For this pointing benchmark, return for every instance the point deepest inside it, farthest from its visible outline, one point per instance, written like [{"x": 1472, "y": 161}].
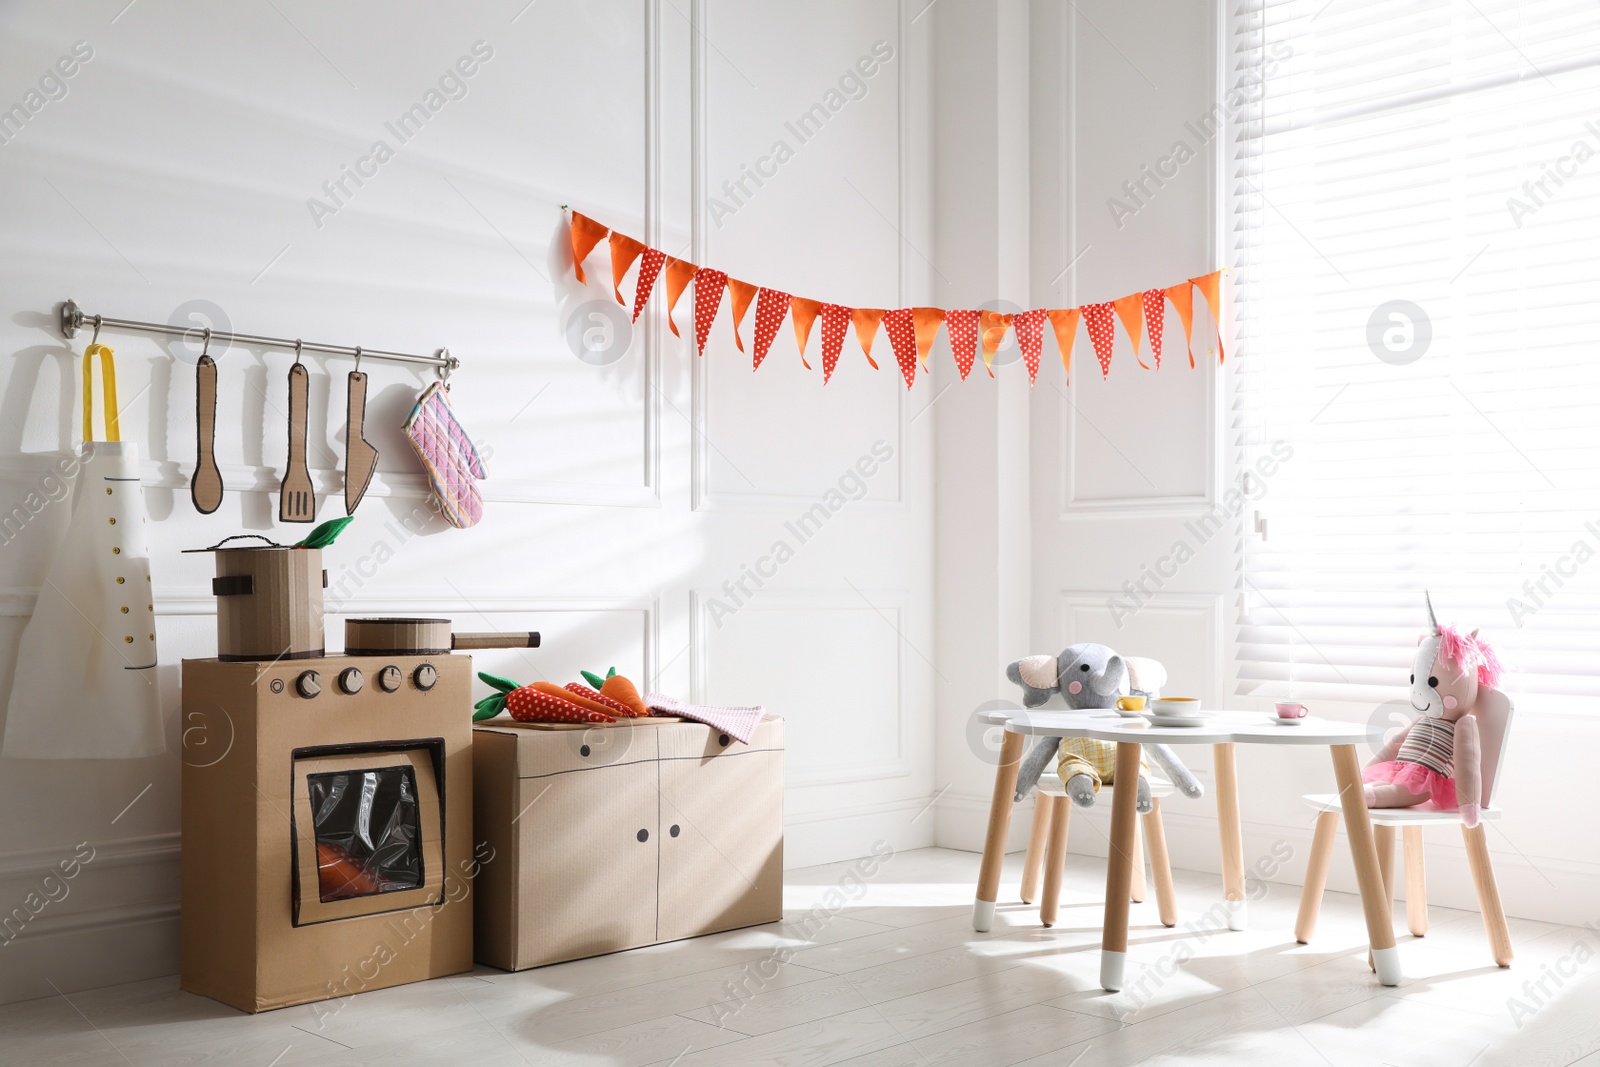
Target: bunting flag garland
[
  {"x": 1155, "y": 320},
  {"x": 679, "y": 273},
  {"x": 1029, "y": 328},
  {"x": 624, "y": 250},
  {"x": 962, "y": 326},
  {"x": 992, "y": 325},
  {"x": 804, "y": 312},
  {"x": 741, "y": 293},
  {"x": 912, "y": 331},
  {"x": 1065, "y": 321},
  {"x": 835, "y": 320},
  {"x": 649, "y": 268},
  {"x": 901, "y": 327},
  {"x": 1182, "y": 297},
  {"x": 1098, "y": 318},
  {"x": 708, "y": 287},
  {"x": 928, "y": 321},
  {"x": 586, "y": 233},
  {"x": 866, "y": 323},
  {"x": 1130, "y": 309},
  {"x": 1210, "y": 287},
  {"x": 771, "y": 307}
]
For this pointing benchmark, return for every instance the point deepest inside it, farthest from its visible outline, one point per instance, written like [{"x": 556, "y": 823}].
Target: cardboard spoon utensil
[
  {"x": 205, "y": 488},
  {"x": 360, "y": 458}
]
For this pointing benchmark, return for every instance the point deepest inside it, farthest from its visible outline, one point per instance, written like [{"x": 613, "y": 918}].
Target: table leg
[
  {"x": 1383, "y": 838},
  {"x": 1231, "y": 835},
  {"x": 1160, "y": 867},
  {"x": 1136, "y": 894},
  {"x": 1119, "y": 871},
  {"x": 1364, "y": 852},
  {"x": 994, "y": 843},
  {"x": 1056, "y": 865},
  {"x": 1034, "y": 863}
]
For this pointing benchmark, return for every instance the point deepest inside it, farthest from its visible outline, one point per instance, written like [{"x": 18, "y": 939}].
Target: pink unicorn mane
[{"x": 1471, "y": 651}]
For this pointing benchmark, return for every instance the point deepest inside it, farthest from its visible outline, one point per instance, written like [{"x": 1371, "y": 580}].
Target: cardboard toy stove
[{"x": 327, "y": 800}]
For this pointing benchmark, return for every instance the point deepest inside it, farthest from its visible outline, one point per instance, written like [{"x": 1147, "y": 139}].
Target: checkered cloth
[
  {"x": 737, "y": 721},
  {"x": 1098, "y": 759}
]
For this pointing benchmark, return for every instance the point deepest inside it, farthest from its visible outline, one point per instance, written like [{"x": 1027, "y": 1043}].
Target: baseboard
[
  {"x": 86, "y": 950},
  {"x": 836, "y": 834},
  {"x": 963, "y": 823}
]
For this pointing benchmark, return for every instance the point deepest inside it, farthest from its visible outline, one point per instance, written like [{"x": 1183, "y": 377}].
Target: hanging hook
[
  {"x": 443, "y": 369},
  {"x": 96, "y": 338},
  {"x": 205, "y": 345},
  {"x": 297, "y": 351},
  {"x": 358, "y": 359}
]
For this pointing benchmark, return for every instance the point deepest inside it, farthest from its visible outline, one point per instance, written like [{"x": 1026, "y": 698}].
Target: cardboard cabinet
[{"x": 611, "y": 838}]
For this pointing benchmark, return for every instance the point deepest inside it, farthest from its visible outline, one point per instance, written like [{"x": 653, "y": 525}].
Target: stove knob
[
  {"x": 425, "y": 676},
  {"x": 389, "y": 679},
  {"x": 350, "y": 680},
  {"x": 309, "y": 684}
]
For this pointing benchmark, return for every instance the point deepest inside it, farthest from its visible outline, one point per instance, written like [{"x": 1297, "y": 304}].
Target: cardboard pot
[{"x": 269, "y": 601}]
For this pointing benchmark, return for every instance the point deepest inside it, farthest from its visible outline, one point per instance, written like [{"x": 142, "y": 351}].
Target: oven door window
[{"x": 367, "y": 833}]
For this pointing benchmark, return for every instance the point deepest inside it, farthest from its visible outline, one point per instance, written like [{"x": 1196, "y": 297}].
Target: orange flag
[
  {"x": 900, "y": 325},
  {"x": 866, "y": 322},
  {"x": 1210, "y": 286},
  {"x": 624, "y": 250},
  {"x": 1029, "y": 328},
  {"x": 771, "y": 307},
  {"x": 1130, "y": 309},
  {"x": 804, "y": 312},
  {"x": 742, "y": 293},
  {"x": 1182, "y": 297},
  {"x": 679, "y": 274},
  {"x": 708, "y": 287},
  {"x": 927, "y": 321},
  {"x": 1065, "y": 322},
  {"x": 992, "y": 325},
  {"x": 835, "y": 319},
  {"x": 586, "y": 233},
  {"x": 962, "y": 326}
]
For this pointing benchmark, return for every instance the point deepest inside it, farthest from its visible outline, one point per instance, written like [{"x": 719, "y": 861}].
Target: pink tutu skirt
[{"x": 1417, "y": 778}]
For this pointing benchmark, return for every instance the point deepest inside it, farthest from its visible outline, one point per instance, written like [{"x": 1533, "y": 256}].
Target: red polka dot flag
[
  {"x": 1099, "y": 317},
  {"x": 771, "y": 307},
  {"x": 835, "y": 321},
  {"x": 708, "y": 287},
  {"x": 912, "y": 331},
  {"x": 649, "y": 269},
  {"x": 962, "y": 326},
  {"x": 1155, "y": 317},
  {"x": 1029, "y": 327},
  {"x": 901, "y": 326}
]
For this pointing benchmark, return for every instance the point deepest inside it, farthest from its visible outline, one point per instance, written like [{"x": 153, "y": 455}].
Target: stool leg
[
  {"x": 994, "y": 843},
  {"x": 1055, "y": 864},
  {"x": 1160, "y": 868},
  {"x": 1416, "y": 883},
  {"x": 1383, "y": 837},
  {"x": 1316, "y": 876},
  {"x": 1137, "y": 893},
  {"x": 1494, "y": 916},
  {"x": 1036, "y": 846}
]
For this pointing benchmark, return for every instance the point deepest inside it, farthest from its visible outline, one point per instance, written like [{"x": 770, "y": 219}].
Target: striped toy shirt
[{"x": 1431, "y": 744}]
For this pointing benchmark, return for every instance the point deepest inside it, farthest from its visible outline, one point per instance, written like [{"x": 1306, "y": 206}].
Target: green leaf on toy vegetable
[
  {"x": 505, "y": 685},
  {"x": 595, "y": 680},
  {"x": 488, "y": 707},
  {"x": 325, "y": 533}
]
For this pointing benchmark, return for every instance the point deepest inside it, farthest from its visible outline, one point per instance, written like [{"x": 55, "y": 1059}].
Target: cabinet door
[
  {"x": 587, "y": 850},
  {"x": 721, "y": 841}
]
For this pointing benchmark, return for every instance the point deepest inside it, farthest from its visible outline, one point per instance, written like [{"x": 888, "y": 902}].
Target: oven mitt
[{"x": 446, "y": 452}]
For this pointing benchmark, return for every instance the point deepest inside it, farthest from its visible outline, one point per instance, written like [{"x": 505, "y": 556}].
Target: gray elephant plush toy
[{"x": 1091, "y": 677}]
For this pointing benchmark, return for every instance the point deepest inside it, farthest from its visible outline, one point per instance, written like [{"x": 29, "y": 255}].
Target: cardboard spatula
[
  {"x": 360, "y": 458},
  {"x": 297, "y": 498}
]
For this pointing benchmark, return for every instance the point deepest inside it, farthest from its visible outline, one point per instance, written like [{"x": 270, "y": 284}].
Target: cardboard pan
[{"x": 423, "y": 637}]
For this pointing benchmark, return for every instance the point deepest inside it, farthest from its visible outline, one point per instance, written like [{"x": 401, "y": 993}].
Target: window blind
[{"x": 1413, "y": 222}]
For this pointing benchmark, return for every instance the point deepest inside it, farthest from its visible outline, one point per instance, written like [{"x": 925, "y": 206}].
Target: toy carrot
[
  {"x": 554, "y": 690},
  {"x": 529, "y": 704},
  {"x": 619, "y": 689},
  {"x": 616, "y": 707}
]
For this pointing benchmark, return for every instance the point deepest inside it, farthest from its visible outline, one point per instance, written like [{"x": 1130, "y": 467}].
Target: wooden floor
[{"x": 897, "y": 978}]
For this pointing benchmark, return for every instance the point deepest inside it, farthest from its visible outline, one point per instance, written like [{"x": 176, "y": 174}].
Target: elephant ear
[{"x": 1037, "y": 671}]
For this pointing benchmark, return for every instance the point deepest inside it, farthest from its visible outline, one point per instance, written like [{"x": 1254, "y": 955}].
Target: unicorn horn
[{"x": 1432, "y": 619}]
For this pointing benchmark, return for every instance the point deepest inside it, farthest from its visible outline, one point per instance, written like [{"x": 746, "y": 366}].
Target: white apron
[{"x": 85, "y": 684}]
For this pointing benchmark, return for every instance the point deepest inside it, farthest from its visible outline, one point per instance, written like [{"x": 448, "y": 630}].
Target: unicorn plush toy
[{"x": 1437, "y": 757}]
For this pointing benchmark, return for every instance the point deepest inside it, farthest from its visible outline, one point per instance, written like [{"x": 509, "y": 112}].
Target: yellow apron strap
[{"x": 108, "y": 375}]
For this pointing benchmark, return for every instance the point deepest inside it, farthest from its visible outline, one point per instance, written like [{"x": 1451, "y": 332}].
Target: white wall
[{"x": 178, "y": 168}]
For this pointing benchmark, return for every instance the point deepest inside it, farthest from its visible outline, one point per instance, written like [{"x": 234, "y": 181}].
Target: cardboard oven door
[{"x": 368, "y": 832}]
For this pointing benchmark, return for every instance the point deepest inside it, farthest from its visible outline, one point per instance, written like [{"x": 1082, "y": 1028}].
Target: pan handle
[{"x": 524, "y": 639}]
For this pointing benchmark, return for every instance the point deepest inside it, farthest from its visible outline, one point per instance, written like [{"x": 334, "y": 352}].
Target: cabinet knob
[
  {"x": 309, "y": 684},
  {"x": 644, "y": 835},
  {"x": 723, "y": 740},
  {"x": 674, "y": 830},
  {"x": 584, "y": 751}
]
